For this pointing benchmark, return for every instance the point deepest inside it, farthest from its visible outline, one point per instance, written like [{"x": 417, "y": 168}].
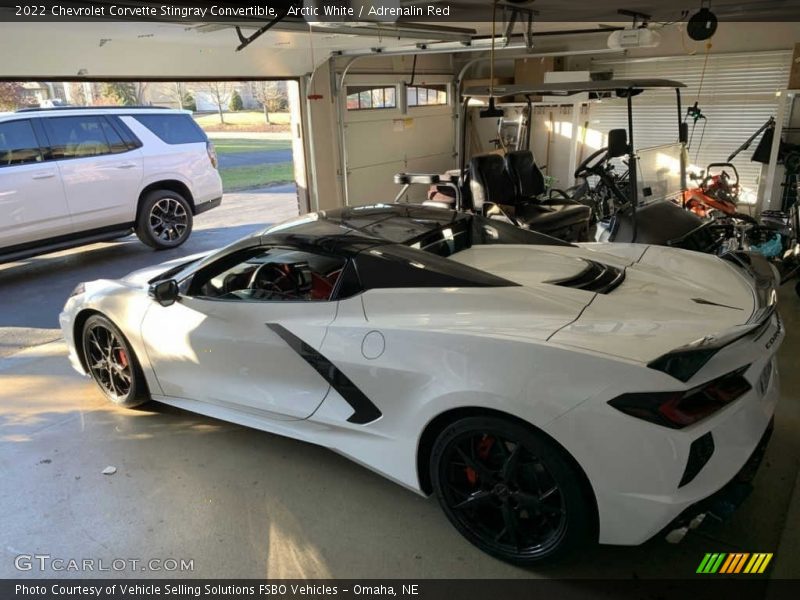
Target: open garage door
[
  {"x": 254, "y": 125},
  {"x": 391, "y": 127}
]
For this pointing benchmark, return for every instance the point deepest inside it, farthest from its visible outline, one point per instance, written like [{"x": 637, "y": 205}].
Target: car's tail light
[
  {"x": 212, "y": 154},
  {"x": 681, "y": 409}
]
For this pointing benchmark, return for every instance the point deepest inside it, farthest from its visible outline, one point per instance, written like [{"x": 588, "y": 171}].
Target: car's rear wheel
[
  {"x": 112, "y": 363},
  {"x": 165, "y": 220},
  {"x": 510, "y": 491}
]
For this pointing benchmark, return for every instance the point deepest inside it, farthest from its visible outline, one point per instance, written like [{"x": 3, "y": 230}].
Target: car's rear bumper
[
  {"x": 208, "y": 205},
  {"x": 637, "y": 470},
  {"x": 722, "y": 504}
]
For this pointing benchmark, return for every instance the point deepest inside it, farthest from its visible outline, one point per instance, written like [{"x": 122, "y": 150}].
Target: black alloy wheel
[
  {"x": 112, "y": 364},
  {"x": 509, "y": 491}
]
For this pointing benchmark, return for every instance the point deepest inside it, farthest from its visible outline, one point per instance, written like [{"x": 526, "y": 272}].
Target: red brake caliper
[
  {"x": 484, "y": 447},
  {"x": 122, "y": 357}
]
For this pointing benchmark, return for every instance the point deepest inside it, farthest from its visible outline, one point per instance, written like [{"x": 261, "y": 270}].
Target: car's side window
[
  {"x": 18, "y": 144},
  {"x": 269, "y": 274},
  {"x": 130, "y": 139},
  {"x": 115, "y": 141},
  {"x": 77, "y": 137}
]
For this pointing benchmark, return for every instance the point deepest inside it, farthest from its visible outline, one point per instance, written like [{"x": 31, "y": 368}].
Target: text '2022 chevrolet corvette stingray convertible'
[{"x": 549, "y": 394}]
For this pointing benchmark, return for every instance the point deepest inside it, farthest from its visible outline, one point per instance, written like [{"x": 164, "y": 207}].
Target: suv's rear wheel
[{"x": 165, "y": 220}]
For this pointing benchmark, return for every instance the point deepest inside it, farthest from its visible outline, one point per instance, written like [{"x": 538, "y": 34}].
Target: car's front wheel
[
  {"x": 112, "y": 363},
  {"x": 510, "y": 491},
  {"x": 165, "y": 220}
]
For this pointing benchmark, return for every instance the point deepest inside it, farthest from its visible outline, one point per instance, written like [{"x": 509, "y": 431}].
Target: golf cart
[{"x": 512, "y": 186}]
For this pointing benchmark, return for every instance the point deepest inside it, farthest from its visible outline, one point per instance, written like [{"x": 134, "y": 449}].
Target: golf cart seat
[
  {"x": 491, "y": 184},
  {"x": 529, "y": 181}
]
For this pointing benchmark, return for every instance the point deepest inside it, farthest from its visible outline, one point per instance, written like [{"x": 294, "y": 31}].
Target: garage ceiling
[{"x": 207, "y": 50}]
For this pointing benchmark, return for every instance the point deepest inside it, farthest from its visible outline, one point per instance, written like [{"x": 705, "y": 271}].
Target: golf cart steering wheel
[
  {"x": 590, "y": 163},
  {"x": 270, "y": 279}
]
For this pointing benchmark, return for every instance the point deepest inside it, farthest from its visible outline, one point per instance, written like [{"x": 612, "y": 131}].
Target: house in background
[{"x": 45, "y": 93}]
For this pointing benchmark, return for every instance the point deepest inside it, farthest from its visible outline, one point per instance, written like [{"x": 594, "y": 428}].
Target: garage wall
[{"x": 737, "y": 97}]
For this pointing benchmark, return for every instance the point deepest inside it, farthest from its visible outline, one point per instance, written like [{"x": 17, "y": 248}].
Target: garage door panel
[
  {"x": 399, "y": 138},
  {"x": 373, "y": 184}
]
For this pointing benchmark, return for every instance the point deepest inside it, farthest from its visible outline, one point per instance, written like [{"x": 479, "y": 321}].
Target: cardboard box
[
  {"x": 499, "y": 82},
  {"x": 532, "y": 70}
]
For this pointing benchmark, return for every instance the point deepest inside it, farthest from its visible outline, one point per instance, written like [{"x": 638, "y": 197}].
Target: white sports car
[{"x": 549, "y": 394}]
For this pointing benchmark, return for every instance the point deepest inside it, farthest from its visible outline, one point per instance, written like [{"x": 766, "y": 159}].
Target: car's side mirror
[
  {"x": 164, "y": 292},
  {"x": 617, "y": 143}
]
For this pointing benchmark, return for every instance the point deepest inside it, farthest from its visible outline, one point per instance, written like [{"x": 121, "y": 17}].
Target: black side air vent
[
  {"x": 700, "y": 453},
  {"x": 596, "y": 277}
]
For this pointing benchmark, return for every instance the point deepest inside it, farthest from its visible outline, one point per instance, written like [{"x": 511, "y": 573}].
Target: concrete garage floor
[{"x": 243, "y": 503}]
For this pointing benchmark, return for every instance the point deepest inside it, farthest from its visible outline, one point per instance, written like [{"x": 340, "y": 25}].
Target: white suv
[{"x": 76, "y": 176}]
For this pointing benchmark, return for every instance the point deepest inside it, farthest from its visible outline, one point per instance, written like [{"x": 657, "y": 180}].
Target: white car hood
[{"x": 669, "y": 297}]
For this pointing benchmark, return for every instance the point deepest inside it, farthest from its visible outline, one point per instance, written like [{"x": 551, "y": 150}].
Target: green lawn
[
  {"x": 235, "y": 145},
  {"x": 252, "y": 176},
  {"x": 242, "y": 178},
  {"x": 245, "y": 120}
]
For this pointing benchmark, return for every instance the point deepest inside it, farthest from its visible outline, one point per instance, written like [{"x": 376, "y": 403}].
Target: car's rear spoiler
[{"x": 684, "y": 362}]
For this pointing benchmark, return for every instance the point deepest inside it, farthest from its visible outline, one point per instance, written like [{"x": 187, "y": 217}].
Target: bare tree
[
  {"x": 10, "y": 95},
  {"x": 220, "y": 92},
  {"x": 179, "y": 93},
  {"x": 140, "y": 90},
  {"x": 271, "y": 95}
]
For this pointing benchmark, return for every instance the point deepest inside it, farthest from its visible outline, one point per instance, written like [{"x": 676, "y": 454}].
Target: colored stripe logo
[{"x": 734, "y": 563}]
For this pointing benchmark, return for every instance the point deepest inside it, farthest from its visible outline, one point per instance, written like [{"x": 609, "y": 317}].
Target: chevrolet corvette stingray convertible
[{"x": 548, "y": 394}]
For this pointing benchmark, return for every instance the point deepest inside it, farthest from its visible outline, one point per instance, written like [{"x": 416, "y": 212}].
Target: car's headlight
[{"x": 79, "y": 289}]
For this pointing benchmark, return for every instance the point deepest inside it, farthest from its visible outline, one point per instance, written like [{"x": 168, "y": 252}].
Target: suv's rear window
[
  {"x": 173, "y": 129},
  {"x": 18, "y": 144}
]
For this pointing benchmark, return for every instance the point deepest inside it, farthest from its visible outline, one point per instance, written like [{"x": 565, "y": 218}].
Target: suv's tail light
[
  {"x": 680, "y": 409},
  {"x": 212, "y": 154}
]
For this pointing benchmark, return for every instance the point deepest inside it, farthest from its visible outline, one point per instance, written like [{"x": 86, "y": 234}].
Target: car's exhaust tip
[{"x": 675, "y": 536}]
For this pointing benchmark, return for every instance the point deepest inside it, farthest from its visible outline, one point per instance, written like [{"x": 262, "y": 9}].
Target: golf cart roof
[{"x": 621, "y": 86}]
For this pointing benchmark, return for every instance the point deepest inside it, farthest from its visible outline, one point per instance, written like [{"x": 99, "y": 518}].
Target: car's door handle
[
  {"x": 43, "y": 176},
  {"x": 126, "y": 166}
]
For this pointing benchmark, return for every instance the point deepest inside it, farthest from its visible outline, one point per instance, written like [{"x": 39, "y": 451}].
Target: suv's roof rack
[{"x": 40, "y": 109}]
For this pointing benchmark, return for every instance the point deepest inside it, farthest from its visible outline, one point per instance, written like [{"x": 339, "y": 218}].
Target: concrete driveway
[
  {"x": 242, "y": 503},
  {"x": 33, "y": 291}
]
